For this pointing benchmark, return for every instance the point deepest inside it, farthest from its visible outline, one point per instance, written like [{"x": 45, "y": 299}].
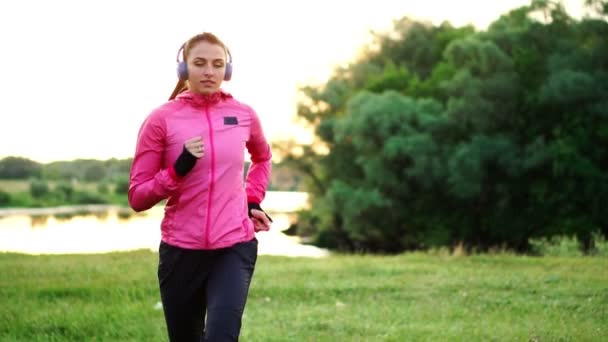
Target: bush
[
  {"x": 5, "y": 198},
  {"x": 122, "y": 186},
  {"x": 600, "y": 245},
  {"x": 39, "y": 188},
  {"x": 561, "y": 245},
  {"x": 21, "y": 199},
  {"x": 103, "y": 188},
  {"x": 83, "y": 197},
  {"x": 65, "y": 190}
]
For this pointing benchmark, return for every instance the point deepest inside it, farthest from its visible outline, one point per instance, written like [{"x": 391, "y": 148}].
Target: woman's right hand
[{"x": 195, "y": 146}]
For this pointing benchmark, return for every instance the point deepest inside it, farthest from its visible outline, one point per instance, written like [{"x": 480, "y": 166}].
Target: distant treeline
[
  {"x": 113, "y": 170},
  {"x": 84, "y": 170},
  {"x": 87, "y": 181}
]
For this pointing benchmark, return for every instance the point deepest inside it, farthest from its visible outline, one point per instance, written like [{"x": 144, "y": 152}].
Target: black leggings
[{"x": 211, "y": 284}]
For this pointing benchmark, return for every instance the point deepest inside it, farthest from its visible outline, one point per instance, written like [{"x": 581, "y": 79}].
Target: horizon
[{"x": 101, "y": 71}]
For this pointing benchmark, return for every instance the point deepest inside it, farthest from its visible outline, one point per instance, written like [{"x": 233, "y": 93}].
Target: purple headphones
[{"x": 182, "y": 66}]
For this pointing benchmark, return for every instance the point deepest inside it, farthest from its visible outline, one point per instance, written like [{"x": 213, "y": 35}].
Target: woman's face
[{"x": 206, "y": 67}]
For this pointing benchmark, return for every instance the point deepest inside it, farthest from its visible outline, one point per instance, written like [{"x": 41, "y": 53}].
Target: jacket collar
[{"x": 202, "y": 100}]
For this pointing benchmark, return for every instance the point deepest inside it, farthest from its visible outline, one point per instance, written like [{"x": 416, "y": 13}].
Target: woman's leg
[
  {"x": 227, "y": 289},
  {"x": 182, "y": 276}
]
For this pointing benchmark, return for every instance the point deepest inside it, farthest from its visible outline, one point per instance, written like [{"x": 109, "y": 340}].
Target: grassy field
[
  {"x": 411, "y": 297},
  {"x": 14, "y": 186}
]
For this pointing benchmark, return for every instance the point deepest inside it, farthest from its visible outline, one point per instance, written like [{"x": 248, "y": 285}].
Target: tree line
[
  {"x": 90, "y": 181},
  {"x": 85, "y": 170},
  {"x": 437, "y": 135}
]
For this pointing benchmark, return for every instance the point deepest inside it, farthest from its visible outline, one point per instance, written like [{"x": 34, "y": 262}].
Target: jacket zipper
[{"x": 212, "y": 165}]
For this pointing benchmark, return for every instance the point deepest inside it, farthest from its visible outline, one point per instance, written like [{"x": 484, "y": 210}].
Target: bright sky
[{"x": 77, "y": 78}]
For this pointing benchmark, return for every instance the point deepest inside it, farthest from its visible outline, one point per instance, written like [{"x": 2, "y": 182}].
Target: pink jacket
[{"x": 207, "y": 209}]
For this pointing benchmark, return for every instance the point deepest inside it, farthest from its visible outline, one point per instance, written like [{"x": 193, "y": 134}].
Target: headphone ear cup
[
  {"x": 182, "y": 71},
  {"x": 228, "y": 73}
]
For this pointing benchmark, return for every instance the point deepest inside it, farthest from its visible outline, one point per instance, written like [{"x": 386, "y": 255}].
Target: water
[{"x": 101, "y": 229}]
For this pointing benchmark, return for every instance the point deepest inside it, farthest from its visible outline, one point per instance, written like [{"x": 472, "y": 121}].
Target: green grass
[{"x": 410, "y": 297}]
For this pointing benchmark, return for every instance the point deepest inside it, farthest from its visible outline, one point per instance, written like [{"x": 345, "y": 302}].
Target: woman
[{"x": 190, "y": 151}]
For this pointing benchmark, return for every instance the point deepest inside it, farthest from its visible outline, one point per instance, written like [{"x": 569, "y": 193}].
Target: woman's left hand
[{"x": 260, "y": 220}]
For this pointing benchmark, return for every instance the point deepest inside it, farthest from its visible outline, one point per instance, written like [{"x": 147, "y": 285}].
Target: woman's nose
[{"x": 208, "y": 70}]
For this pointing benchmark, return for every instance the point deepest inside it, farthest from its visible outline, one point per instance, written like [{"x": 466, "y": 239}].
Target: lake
[{"x": 102, "y": 228}]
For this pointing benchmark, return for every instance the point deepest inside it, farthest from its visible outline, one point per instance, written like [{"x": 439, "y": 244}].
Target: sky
[{"x": 77, "y": 78}]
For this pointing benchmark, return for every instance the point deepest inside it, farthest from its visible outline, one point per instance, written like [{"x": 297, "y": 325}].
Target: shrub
[
  {"x": 5, "y": 198},
  {"x": 600, "y": 245},
  {"x": 560, "y": 245},
  {"x": 122, "y": 186},
  {"x": 39, "y": 188}
]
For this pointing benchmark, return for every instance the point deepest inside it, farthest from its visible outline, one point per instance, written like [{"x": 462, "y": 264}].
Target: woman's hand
[
  {"x": 261, "y": 222},
  {"x": 195, "y": 146},
  {"x": 193, "y": 149}
]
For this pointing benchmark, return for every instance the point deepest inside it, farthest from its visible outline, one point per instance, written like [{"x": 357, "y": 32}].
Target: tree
[
  {"x": 95, "y": 172},
  {"x": 19, "y": 168},
  {"x": 440, "y": 135}
]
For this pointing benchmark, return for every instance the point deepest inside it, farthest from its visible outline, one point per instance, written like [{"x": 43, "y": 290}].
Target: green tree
[
  {"x": 19, "y": 168},
  {"x": 440, "y": 135}
]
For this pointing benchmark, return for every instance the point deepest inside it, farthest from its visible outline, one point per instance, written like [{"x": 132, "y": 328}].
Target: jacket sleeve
[
  {"x": 258, "y": 175},
  {"x": 148, "y": 184}
]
